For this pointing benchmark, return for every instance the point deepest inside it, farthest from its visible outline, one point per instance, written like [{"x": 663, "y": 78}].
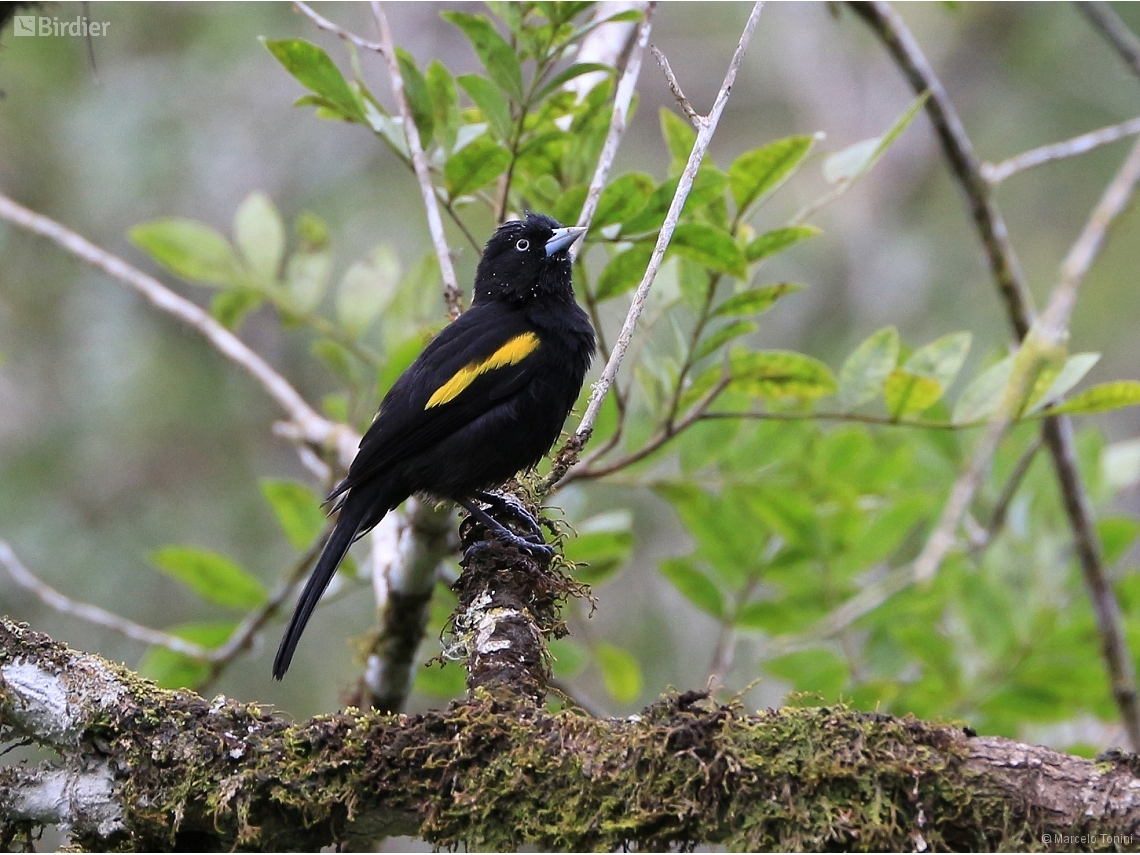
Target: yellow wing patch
[{"x": 512, "y": 353}]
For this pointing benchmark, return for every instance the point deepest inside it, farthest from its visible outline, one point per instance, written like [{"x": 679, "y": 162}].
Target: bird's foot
[
  {"x": 532, "y": 544},
  {"x": 513, "y": 508},
  {"x": 525, "y": 545}
]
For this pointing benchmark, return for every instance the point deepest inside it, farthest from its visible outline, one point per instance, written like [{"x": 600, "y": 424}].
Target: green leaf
[
  {"x": 780, "y": 374},
  {"x": 984, "y": 394},
  {"x": 679, "y": 136},
  {"x": 313, "y": 69},
  {"x": 297, "y": 508},
  {"x": 566, "y": 75},
  {"x": 230, "y": 307},
  {"x": 441, "y": 681},
  {"x": 491, "y": 103},
  {"x": 189, "y": 249},
  {"x": 444, "y": 104},
  {"x": 260, "y": 236},
  {"x": 570, "y": 657},
  {"x": 856, "y": 160},
  {"x": 368, "y": 286},
  {"x": 493, "y": 51},
  {"x": 339, "y": 361},
  {"x": 755, "y": 300},
  {"x": 863, "y": 373},
  {"x": 307, "y": 277},
  {"x": 1060, "y": 382},
  {"x": 942, "y": 359},
  {"x": 621, "y": 672},
  {"x": 624, "y": 271},
  {"x": 623, "y": 198},
  {"x": 716, "y": 340},
  {"x": 818, "y": 671},
  {"x": 708, "y": 185},
  {"x": 693, "y": 585},
  {"x": 710, "y": 247},
  {"x": 910, "y": 394},
  {"x": 757, "y": 173},
  {"x": 418, "y": 95},
  {"x": 1117, "y": 534},
  {"x": 1101, "y": 399},
  {"x": 777, "y": 240},
  {"x": 211, "y": 576},
  {"x": 475, "y": 166},
  {"x": 172, "y": 670},
  {"x": 604, "y": 543}
]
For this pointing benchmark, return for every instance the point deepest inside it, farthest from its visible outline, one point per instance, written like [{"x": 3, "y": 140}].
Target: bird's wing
[{"x": 474, "y": 364}]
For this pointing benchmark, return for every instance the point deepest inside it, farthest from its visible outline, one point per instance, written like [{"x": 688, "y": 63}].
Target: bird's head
[{"x": 526, "y": 259}]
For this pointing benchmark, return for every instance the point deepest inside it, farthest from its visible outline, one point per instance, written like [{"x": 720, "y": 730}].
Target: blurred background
[{"x": 122, "y": 431}]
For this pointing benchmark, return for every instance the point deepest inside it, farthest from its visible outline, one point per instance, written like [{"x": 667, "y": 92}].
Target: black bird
[{"x": 486, "y": 399}]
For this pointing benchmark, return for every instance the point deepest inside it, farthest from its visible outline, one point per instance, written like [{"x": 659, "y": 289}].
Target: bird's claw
[{"x": 528, "y": 545}]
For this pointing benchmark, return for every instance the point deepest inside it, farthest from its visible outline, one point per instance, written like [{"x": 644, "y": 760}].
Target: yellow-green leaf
[
  {"x": 1101, "y": 398},
  {"x": 910, "y": 394}
]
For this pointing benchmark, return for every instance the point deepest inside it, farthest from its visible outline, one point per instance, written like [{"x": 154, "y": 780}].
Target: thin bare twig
[
  {"x": 675, "y": 86},
  {"x": 619, "y": 118},
  {"x": 891, "y": 30},
  {"x": 1115, "y": 31},
  {"x": 63, "y": 604},
  {"x": 1001, "y": 508},
  {"x": 1054, "y": 321},
  {"x": 451, "y": 294},
  {"x": 997, "y": 173},
  {"x": 385, "y": 47},
  {"x": 329, "y": 27},
  {"x": 568, "y": 455},
  {"x": 307, "y": 424}
]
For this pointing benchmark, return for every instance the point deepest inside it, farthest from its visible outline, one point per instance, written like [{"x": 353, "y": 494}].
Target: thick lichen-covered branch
[{"x": 172, "y": 770}]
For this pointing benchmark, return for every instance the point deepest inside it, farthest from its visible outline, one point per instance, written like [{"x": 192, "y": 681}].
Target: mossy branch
[{"x": 148, "y": 769}]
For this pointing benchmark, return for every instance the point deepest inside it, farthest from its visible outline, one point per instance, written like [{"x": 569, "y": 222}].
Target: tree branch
[
  {"x": 1115, "y": 32},
  {"x": 451, "y": 293},
  {"x": 305, "y": 424},
  {"x": 619, "y": 118},
  {"x": 684, "y": 772},
  {"x": 997, "y": 173}
]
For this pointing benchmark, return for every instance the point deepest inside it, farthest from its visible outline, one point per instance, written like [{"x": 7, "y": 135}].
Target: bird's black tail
[{"x": 347, "y": 529}]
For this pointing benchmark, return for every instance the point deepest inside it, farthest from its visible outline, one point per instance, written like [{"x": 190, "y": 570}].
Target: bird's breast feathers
[{"x": 513, "y": 351}]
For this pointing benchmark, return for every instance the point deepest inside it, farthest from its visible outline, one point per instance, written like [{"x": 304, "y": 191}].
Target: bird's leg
[
  {"x": 511, "y": 506},
  {"x": 503, "y": 534}
]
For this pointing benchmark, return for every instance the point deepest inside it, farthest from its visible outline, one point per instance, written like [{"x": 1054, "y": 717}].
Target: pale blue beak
[{"x": 562, "y": 239}]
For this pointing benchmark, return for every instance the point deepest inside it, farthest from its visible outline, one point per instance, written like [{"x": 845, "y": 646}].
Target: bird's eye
[{"x": 523, "y": 245}]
